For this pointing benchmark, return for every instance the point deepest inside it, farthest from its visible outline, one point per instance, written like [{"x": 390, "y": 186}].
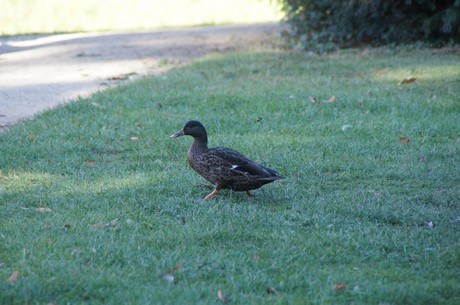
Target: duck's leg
[{"x": 212, "y": 194}]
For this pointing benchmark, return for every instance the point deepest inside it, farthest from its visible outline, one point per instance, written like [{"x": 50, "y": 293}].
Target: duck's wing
[{"x": 235, "y": 161}]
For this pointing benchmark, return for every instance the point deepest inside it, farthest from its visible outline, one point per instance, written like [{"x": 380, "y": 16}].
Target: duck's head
[{"x": 192, "y": 128}]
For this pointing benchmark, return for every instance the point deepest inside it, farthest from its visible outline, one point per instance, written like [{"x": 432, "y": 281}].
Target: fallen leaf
[
  {"x": 175, "y": 268},
  {"x": 43, "y": 210},
  {"x": 67, "y": 226},
  {"x": 123, "y": 76},
  {"x": 404, "y": 140},
  {"x": 83, "y": 54},
  {"x": 13, "y": 276},
  {"x": 113, "y": 223},
  {"x": 32, "y": 137},
  {"x": 90, "y": 163},
  {"x": 148, "y": 58},
  {"x": 134, "y": 139},
  {"x": 271, "y": 290},
  {"x": 312, "y": 99},
  {"x": 407, "y": 80},
  {"x": 332, "y": 99},
  {"x": 221, "y": 296},
  {"x": 168, "y": 275},
  {"x": 339, "y": 286}
]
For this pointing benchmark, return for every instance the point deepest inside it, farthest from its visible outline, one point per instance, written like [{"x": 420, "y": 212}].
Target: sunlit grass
[
  {"x": 49, "y": 16},
  {"x": 91, "y": 216}
]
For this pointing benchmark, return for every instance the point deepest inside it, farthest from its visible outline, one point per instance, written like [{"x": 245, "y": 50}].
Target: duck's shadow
[{"x": 262, "y": 197}]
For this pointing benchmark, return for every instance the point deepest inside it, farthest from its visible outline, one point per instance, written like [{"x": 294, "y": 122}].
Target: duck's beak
[{"x": 177, "y": 134}]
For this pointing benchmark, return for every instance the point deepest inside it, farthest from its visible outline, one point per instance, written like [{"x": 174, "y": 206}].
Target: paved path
[{"x": 42, "y": 71}]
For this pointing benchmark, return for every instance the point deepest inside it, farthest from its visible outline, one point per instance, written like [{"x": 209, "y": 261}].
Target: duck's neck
[{"x": 200, "y": 144}]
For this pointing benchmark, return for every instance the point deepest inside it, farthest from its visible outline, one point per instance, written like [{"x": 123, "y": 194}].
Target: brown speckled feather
[{"x": 227, "y": 168}]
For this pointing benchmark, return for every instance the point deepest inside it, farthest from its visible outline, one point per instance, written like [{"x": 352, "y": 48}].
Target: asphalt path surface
[{"x": 39, "y": 72}]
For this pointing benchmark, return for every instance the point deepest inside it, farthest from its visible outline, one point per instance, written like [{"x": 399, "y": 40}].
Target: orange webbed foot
[{"x": 212, "y": 194}]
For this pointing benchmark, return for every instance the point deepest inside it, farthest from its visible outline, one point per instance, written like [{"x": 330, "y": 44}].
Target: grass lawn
[
  {"x": 50, "y": 16},
  {"x": 99, "y": 206}
]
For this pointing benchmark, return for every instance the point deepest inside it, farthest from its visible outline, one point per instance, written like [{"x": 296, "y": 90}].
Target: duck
[{"x": 224, "y": 167}]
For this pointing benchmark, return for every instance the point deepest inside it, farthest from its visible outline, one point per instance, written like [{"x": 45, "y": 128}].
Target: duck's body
[{"x": 224, "y": 167}]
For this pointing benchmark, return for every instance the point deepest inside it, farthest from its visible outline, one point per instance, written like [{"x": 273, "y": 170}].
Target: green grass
[
  {"x": 354, "y": 208},
  {"x": 50, "y": 16}
]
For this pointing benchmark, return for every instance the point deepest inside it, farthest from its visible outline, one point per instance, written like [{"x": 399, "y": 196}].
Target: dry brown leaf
[
  {"x": 148, "y": 58},
  {"x": 125, "y": 76},
  {"x": 113, "y": 223},
  {"x": 271, "y": 290},
  {"x": 90, "y": 163},
  {"x": 13, "y": 276},
  {"x": 168, "y": 275},
  {"x": 407, "y": 80},
  {"x": 221, "y": 296},
  {"x": 404, "y": 140},
  {"x": 332, "y": 99},
  {"x": 312, "y": 99},
  {"x": 339, "y": 286},
  {"x": 175, "y": 268}
]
